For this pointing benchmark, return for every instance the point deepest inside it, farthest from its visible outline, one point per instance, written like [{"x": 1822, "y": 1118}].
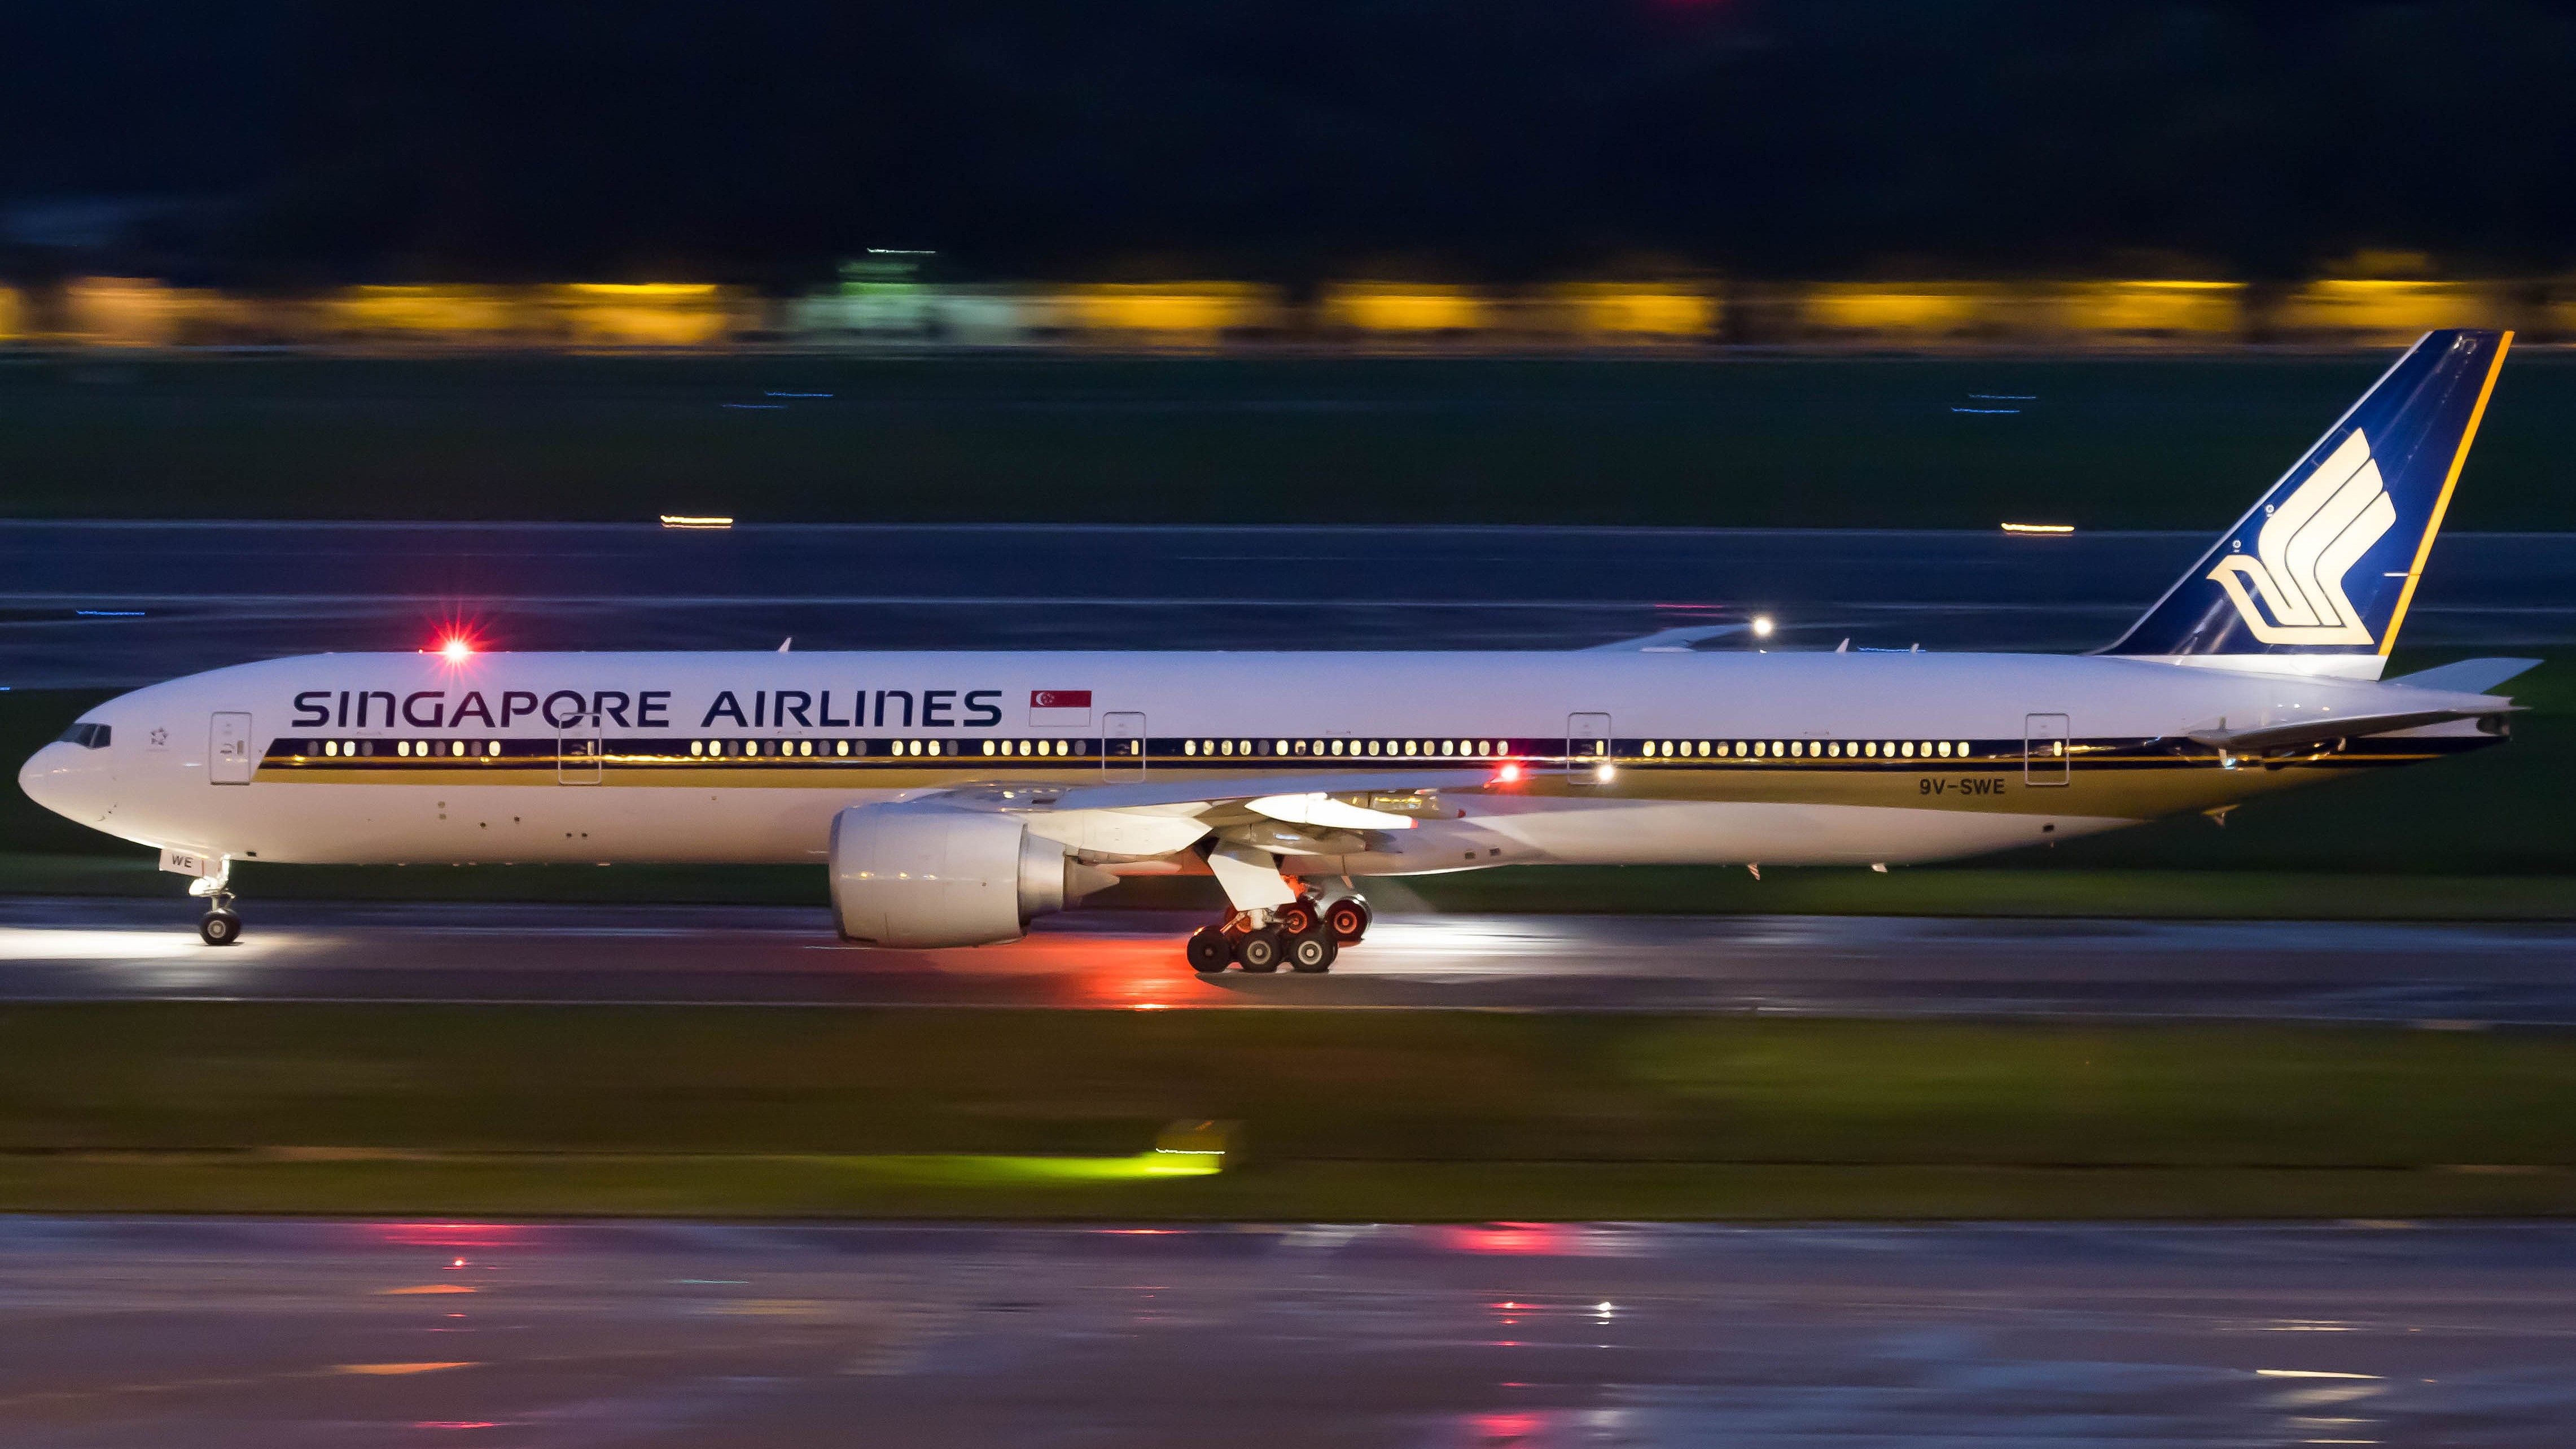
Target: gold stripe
[{"x": 2442, "y": 505}]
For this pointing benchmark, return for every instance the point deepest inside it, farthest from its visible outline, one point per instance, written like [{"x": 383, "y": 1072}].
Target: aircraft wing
[{"x": 1255, "y": 818}]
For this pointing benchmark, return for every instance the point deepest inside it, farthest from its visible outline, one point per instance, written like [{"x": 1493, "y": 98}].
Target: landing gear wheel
[
  {"x": 1295, "y": 918},
  {"x": 220, "y": 928},
  {"x": 1258, "y": 951},
  {"x": 1349, "y": 919},
  {"x": 1312, "y": 951},
  {"x": 1209, "y": 951}
]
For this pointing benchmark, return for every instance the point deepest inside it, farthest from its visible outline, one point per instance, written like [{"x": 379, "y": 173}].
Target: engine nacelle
[{"x": 930, "y": 875}]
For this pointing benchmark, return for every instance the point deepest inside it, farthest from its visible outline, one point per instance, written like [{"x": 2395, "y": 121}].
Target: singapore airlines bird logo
[{"x": 2305, "y": 549}]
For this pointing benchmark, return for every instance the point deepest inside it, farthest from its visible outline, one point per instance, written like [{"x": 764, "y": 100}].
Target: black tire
[
  {"x": 220, "y": 928},
  {"x": 1312, "y": 952},
  {"x": 1349, "y": 919},
  {"x": 1209, "y": 951},
  {"x": 1258, "y": 951},
  {"x": 1295, "y": 918}
]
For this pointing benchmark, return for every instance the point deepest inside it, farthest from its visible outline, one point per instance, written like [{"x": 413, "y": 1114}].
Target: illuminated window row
[
  {"x": 782, "y": 749},
  {"x": 1025, "y": 749},
  {"x": 839, "y": 749},
  {"x": 1413, "y": 749},
  {"x": 1806, "y": 749},
  {"x": 405, "y": 749}
]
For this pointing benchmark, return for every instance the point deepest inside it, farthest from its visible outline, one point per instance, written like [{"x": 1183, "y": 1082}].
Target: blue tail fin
[{"x": 2318, "y": 576}]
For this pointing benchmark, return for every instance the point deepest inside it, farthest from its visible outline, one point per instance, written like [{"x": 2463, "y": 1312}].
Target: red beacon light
[
  {"x": 456, "y": 649},
  {"x": 1508, "y": 773}
]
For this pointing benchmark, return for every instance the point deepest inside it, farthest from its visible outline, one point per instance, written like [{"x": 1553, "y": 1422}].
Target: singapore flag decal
[
  {"x": 1059, "y": 707},
  {"x": 2306, "y": 548}
]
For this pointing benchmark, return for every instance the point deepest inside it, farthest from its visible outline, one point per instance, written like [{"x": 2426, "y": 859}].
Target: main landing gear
[{"x": 1305, "y": 934}]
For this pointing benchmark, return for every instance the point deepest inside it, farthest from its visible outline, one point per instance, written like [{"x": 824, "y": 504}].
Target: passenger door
[
  {"x": 1122, "y": 746},
  {"x": 2045, "y": 744},
  {"x": 229, "y": 760},
  {"x": 1587, "y": 749}
]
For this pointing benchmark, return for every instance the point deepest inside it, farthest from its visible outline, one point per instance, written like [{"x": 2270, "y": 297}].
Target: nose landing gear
[{"x": 220, "y": 926}]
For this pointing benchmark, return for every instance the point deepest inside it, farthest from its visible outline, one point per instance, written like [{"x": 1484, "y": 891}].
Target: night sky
[{"x": 1467, "y": 139}]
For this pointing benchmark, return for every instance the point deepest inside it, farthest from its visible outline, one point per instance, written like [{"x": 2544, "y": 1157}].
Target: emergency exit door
[{"x": 229, "y": 760}]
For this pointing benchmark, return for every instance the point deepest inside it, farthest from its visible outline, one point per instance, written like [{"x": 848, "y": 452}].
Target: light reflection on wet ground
[
  {"x": 214, "y": 593},
  {"x": 223, "y": 1332},
  {"x": 1842, "y": 965}
]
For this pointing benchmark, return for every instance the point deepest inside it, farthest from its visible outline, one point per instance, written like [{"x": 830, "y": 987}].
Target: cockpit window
[{"x": 87, "y": 735}]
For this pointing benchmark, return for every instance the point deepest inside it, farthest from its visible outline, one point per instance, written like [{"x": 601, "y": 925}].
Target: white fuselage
[{"x": 1613, "y": 757}]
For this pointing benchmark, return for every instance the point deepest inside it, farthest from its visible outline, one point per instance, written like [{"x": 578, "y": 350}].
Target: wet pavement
[
  {"x": 110, "y": 949},
  {"x": 217, "y": 1332}
]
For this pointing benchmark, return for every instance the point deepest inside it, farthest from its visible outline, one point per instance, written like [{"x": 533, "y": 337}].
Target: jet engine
[{"x": 924, "y": 875}]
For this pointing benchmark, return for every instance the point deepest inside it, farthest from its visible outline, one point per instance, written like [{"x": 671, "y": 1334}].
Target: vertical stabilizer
[{"x": 2318, "y": 577}]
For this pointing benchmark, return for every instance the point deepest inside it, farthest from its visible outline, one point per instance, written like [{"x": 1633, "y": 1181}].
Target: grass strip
[{"x": 1431, "y": 1115}]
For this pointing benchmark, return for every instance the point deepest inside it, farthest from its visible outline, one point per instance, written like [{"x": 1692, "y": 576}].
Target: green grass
[
  {"x": 1730, "y": 440},
  {"x": 1428, "y": 1115}
]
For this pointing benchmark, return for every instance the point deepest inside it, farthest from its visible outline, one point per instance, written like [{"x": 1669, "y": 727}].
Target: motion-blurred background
[{"x": 1353, "y": 172}]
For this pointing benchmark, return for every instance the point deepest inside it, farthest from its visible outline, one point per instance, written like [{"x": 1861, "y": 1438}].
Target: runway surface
[
  {"x": 112, "y": 605},
  {"x": 93, "y": 949},
  {"x": 216, "y": 1333}
]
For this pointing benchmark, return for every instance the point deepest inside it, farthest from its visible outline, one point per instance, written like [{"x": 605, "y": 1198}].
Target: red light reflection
[
  {"x": 1531, "y": 1239},
  {"x": 449, "y": 1235}
]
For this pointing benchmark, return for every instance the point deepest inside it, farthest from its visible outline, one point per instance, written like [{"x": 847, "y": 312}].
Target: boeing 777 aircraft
[{"x": 956, "y": 796}]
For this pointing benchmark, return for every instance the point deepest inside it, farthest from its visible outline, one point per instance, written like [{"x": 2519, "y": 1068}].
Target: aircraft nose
[{"x": 48, "y": 779}]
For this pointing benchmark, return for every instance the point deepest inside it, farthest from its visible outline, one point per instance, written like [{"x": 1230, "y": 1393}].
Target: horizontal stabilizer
[
  {"x": 1667, "y": 641},
  {"x": 2468, "y": 676},
  {"x": 2321, "y": 731}
]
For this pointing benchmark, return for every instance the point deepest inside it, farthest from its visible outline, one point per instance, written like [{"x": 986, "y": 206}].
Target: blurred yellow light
[
  {"x": 2391, "y": 308},
  {"x": 2153, "y": 307},
  {"x": 1169, "y": 310},
  {"x": 12, "y": 314},
  {"x": 2039, "y": 528},
  {"x": 429, "y": 309},
  {"x": 643, "y": 314},
  {"x": 697, "y": 520},
  {"x": 1403, "y": 307},
  {"x": 1915, "y": 307},
  {"x": 643, "y": 290},
  {"x": 127, "y": 311},
  {"x": 1624, "y": 312}
]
